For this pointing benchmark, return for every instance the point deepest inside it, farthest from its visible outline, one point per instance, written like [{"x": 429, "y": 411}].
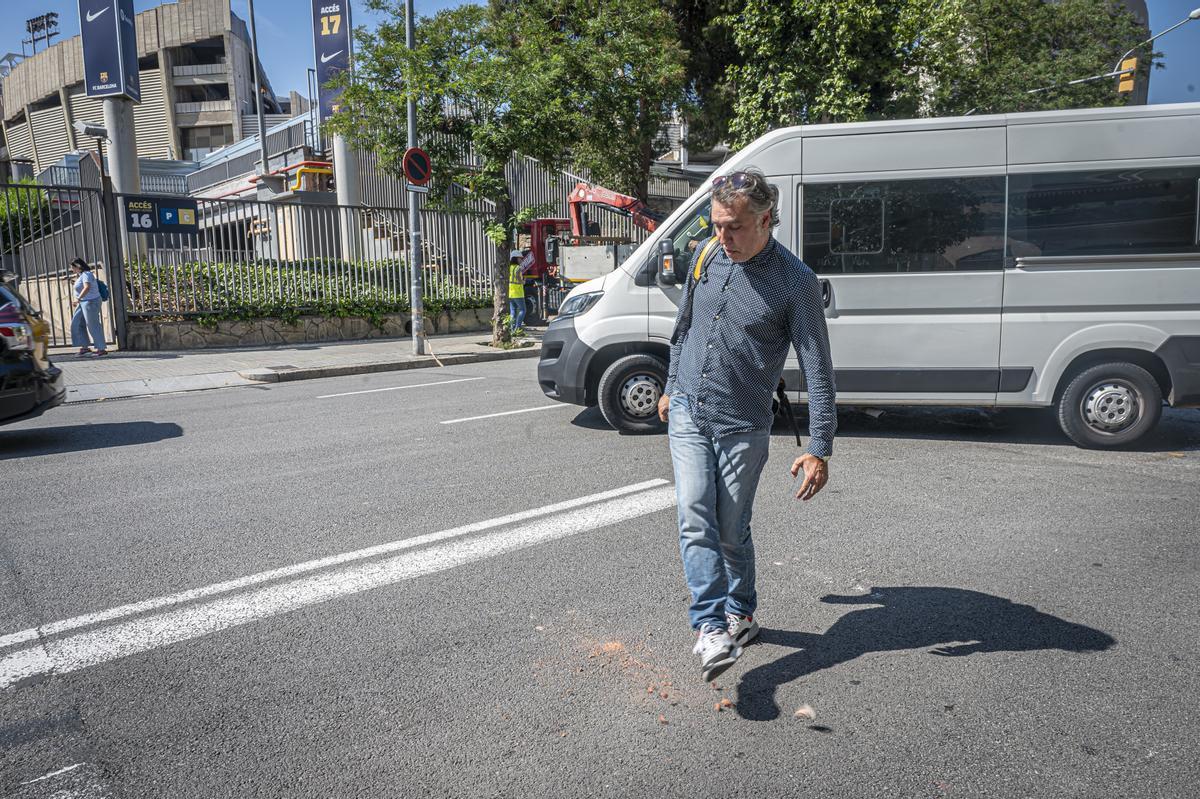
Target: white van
[{"x": 1047, "y": 259}]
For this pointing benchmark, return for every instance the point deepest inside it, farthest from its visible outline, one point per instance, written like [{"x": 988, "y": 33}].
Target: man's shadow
[{"x": 953, "y": 621}]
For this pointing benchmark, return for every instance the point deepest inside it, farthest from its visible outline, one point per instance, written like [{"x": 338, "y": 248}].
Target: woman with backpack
[{"x": 86, "y": 327}]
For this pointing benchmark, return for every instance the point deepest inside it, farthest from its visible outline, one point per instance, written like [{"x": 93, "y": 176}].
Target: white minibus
[{"x": 1046, "y": 259}]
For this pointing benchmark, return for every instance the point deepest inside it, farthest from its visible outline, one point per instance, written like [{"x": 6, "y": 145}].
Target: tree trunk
[
  {"x": 501, "y": 334},
  {"x": 645, "y": 159}
]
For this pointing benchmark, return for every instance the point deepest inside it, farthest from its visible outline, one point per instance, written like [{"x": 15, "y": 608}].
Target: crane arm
[{"x": 643, "y": 215}]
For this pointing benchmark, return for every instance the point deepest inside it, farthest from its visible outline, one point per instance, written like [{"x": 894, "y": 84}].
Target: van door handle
[{"x": 826, "y": 293}]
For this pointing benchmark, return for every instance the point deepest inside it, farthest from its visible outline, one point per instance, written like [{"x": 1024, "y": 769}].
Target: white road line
[
  {"x": 52, "y": 774},
  {"x": 397, "y": 388},
  {"x": 509, "y": 413},
  {"x": 93, "y": 647},
  {"x": 32, "y": 634}
]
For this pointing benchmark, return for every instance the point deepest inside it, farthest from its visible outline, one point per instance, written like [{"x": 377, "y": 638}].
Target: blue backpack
[{"x": 103, "y": 287}]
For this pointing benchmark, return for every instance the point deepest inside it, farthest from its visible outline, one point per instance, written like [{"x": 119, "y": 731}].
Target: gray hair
[{"x": 760, "y": 194}]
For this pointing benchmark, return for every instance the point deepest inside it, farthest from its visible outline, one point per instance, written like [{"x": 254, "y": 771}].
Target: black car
[{"x": 29, "y": 384}]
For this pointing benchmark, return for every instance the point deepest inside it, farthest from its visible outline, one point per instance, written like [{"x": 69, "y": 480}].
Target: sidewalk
[{"x": 135, "y": 374}]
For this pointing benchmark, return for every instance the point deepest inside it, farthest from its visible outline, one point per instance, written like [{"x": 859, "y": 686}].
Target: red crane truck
[{"x": 569, "y": 251}]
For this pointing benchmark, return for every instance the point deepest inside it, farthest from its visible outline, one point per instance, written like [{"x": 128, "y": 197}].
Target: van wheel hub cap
[
  {"x": 1110, "y": 407},
  {"x": 639, "y": 395}
]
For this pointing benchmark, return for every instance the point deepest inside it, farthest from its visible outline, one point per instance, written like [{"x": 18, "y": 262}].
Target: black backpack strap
[
  {"x": 787, "y": 410},
  {"x": 685, "y": 320}
]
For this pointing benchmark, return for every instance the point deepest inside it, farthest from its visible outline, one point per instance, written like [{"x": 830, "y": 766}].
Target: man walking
[{"x": 748, "y": 301}]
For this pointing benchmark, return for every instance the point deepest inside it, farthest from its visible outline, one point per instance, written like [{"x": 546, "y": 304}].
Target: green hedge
[{"x": 253, "y": 290}]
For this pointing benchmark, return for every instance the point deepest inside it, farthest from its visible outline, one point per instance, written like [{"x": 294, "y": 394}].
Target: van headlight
[{"x": 578, "y": 304}]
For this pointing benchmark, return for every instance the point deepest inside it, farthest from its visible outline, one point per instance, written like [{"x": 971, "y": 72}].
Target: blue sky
[{"x": 286, "y": 38}]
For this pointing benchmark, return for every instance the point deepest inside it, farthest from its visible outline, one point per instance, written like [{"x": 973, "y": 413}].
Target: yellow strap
[{"x": 703, "y": 254}]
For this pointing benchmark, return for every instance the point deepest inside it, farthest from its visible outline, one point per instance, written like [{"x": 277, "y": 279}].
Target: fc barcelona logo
[{"x": 104, "y": 77}]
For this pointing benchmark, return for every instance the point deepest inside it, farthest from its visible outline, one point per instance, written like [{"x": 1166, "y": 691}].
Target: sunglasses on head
[{"x": 738, "y": 180}]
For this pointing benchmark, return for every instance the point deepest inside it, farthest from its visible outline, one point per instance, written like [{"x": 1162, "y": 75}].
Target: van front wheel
[
  {"x": 629, "y": 391},
  {"x": 1110, "y": 405}
]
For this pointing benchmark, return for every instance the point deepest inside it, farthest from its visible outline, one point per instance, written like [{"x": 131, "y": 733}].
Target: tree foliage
[
  {"x": 807, "y": 61},
  {"x": 25, "y": 215},
  {"x": 553, "y": 80}
]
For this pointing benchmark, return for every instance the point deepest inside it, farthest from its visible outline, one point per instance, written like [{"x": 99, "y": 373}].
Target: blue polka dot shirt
[{"x": 745, "y": 316}]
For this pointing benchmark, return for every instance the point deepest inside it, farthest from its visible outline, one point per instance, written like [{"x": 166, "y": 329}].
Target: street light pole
[
  {"x": 1194, "y": 15},
  {"x": 1116, "y": 70}
]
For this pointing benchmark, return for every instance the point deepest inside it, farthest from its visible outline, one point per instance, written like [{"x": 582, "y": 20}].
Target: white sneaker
[
  {"x": 717, "y": 651},
  {"x": 742, "y": 629}
]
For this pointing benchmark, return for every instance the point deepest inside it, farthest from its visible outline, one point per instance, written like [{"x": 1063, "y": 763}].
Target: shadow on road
[
  {"x": 81, "y": 437},
  {"x": 591, "y": 419},
  {"x": 1178, "y": 431},
  {"x": 953, "y": 621}
]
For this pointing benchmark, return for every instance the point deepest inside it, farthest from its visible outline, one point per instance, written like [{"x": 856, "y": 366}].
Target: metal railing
[
  {"x": 278, "y": 143},
  {"x": 199, "y": 69},
  {"x": 163, "y": 184},
  {"x": 42, "y": 228},
  {"x": 269, "y": 257},
  {"x": 203, "y": 106}
]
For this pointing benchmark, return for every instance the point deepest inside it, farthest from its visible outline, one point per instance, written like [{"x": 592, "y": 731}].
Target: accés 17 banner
[{"x": 331, "y": 45}]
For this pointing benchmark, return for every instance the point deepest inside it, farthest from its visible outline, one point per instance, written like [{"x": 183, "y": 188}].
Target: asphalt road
[{"x": 973, "y": 608}]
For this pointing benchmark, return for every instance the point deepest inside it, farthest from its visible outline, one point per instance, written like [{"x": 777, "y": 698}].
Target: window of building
[
  {"x": 1114, "y": 212},
  {"x": 202, "y": 93},
  {"x": 199, "y": 142},
  {"x": 925, "y": 225},
  {"x": 208, "y": 51}
]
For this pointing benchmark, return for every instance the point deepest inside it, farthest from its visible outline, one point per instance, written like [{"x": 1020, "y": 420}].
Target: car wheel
[
  {"x": 629, "y": 392},
  {"x": 1110, "y": 405}
]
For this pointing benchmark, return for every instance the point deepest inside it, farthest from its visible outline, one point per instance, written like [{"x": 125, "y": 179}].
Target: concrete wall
[{"x": 190, "y": 335}]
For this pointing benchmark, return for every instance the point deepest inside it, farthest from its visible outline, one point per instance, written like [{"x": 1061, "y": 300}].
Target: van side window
[
  {"x": 924, "y": 225},
  {"x": 689, "y": 236},
  {"x": 1115, "y": 212}
]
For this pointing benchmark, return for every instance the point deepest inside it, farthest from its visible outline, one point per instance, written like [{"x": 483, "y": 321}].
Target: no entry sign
[{"x": 418, "y": 169}]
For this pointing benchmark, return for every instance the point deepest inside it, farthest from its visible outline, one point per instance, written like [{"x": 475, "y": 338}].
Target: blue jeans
[
  {"x": 715, "y": 482},
  {"x": 516, "y": 310},
  {"x": 87, "y": 321}
]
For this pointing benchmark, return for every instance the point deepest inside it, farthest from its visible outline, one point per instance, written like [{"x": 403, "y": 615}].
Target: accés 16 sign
[{"x": 176, "y": 215}]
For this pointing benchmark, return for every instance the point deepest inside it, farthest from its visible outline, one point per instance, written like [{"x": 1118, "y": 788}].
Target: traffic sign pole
[{"x": 415, "y": 293}]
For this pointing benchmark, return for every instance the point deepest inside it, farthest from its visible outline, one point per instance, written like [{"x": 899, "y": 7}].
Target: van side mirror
[{"x": 665, "y": 273}]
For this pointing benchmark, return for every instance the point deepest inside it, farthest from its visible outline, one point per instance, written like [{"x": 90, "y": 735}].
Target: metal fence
[
  {"x": 42, "y": 228},
  {"x": 248, "y": 254},
  {"x": 531, "y": 184}
]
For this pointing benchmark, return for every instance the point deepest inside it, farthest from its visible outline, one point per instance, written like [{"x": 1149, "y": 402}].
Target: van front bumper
[
  {"x": 562, "y": 370},
  {"x": 1181, "y": 354}
]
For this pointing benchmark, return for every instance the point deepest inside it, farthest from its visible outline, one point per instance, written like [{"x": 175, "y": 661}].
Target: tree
[
  {"x": 25, "y": 214},
  {"x": 629, "y": 79},
  {"x": 1012, "y": 46},
  {"x": 547, "y": 79},
  {"x": 806, "y": 61},
  {"x": 709, "y": 50}
]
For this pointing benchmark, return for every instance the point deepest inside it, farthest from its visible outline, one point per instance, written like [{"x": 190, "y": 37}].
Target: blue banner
[
  {"x": 331, "y": 46},
  {"x": 110, "y": 60}
]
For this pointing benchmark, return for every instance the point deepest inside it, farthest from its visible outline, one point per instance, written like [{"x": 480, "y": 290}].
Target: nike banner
[
  {"x": 331, "y": 45},
  {"x": 110, "y": 57}
]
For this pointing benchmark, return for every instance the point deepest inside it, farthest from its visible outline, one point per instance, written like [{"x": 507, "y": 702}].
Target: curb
[{"x": 267, "y": 375}]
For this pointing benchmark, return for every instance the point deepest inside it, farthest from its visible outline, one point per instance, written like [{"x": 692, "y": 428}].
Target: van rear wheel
[
  {"x": 1110, "y": 405},
  {"x": 629, "y": 392}
]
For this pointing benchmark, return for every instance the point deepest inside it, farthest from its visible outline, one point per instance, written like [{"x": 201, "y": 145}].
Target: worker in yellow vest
[{"x": 516, "y": 290}]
